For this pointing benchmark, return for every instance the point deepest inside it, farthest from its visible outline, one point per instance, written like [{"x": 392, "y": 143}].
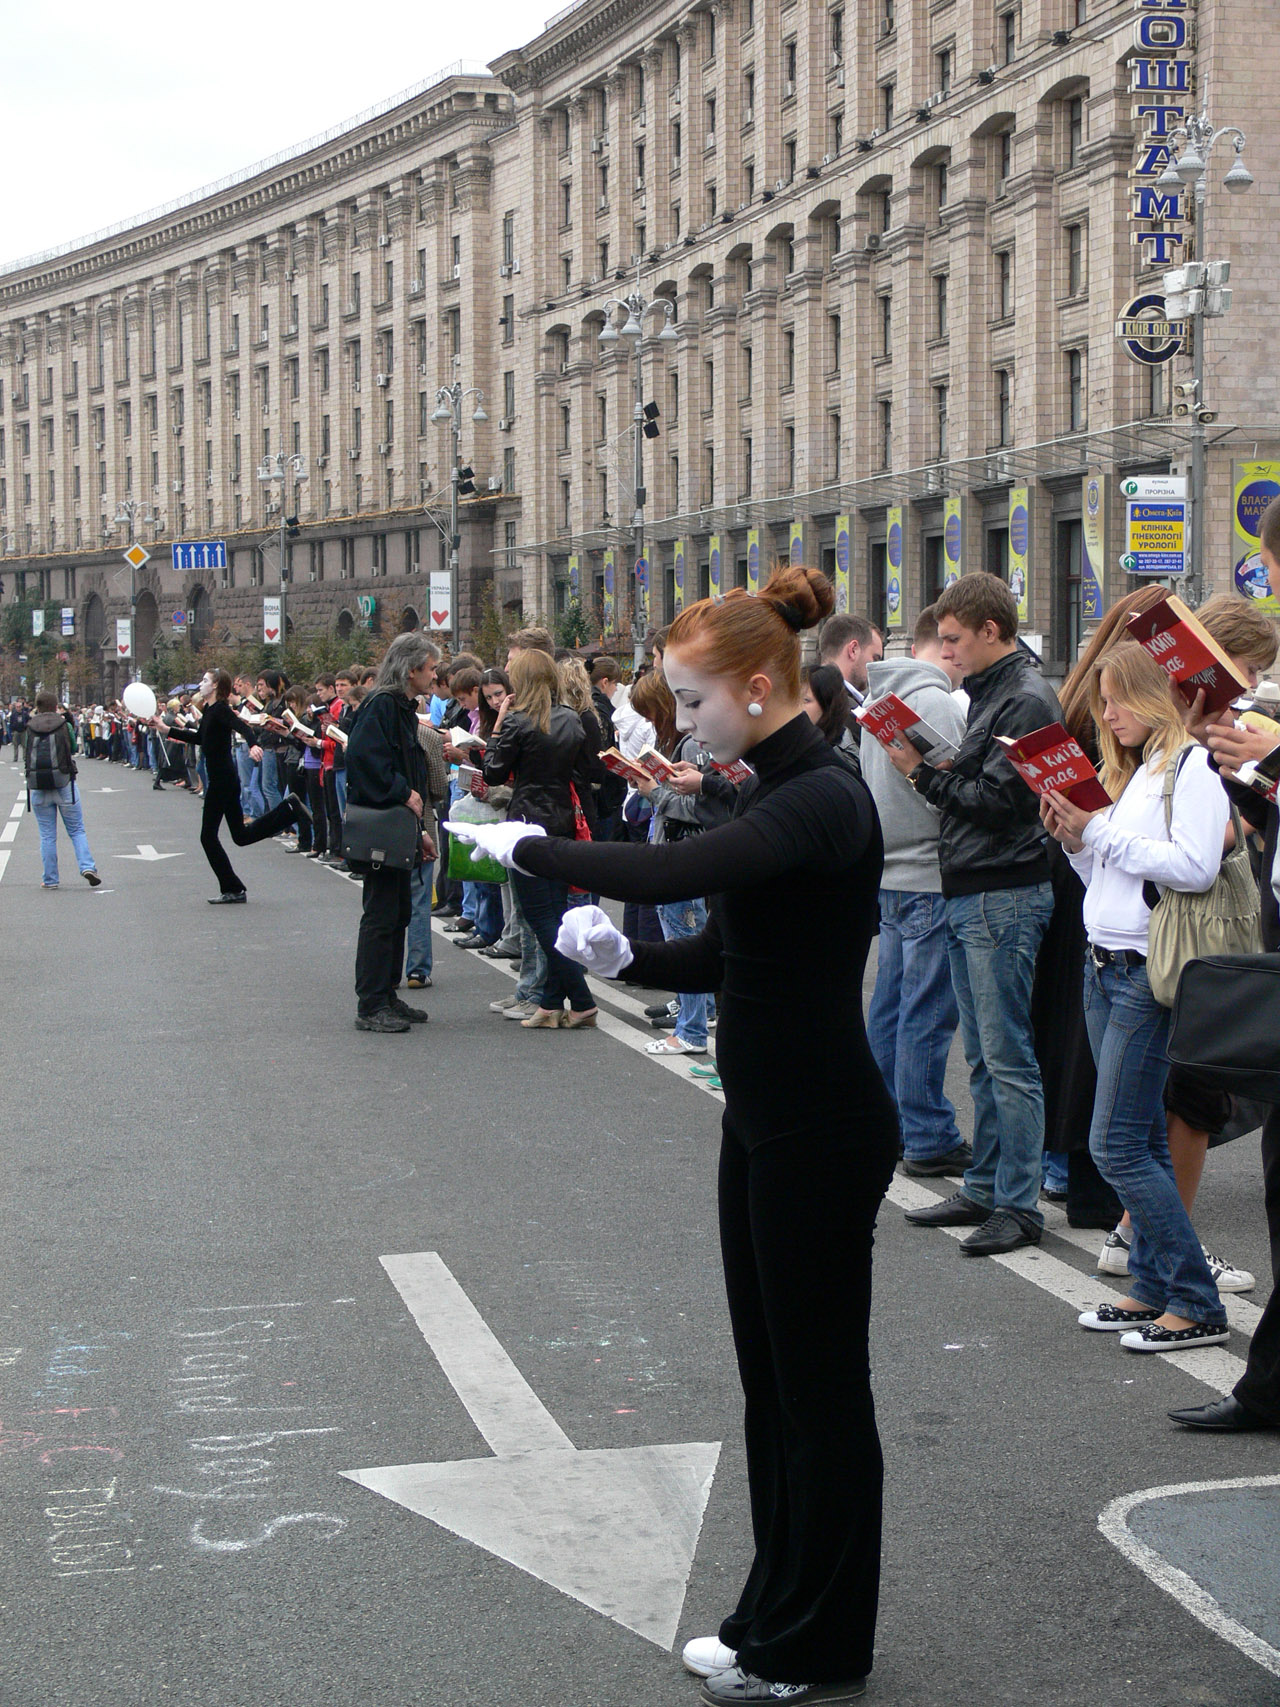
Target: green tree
[{"x": 574, "y": 629}]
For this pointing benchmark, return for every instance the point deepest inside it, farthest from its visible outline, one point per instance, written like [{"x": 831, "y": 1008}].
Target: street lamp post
[
  {"x": 280, "y": 467},
  {"x": 448, "y": 410},
  {"x": 1195, "y": 292},
  {"x": 637, "y": 306}
]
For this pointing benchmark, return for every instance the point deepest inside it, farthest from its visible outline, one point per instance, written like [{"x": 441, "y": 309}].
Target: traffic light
[
  {"x": 466, "y": 481},
  {"x": 650, "y": 422},
  {"x": 292, "y": 530}
]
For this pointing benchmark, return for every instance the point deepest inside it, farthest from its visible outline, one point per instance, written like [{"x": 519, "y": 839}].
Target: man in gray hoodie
[{"x": 913, "y": 1015}]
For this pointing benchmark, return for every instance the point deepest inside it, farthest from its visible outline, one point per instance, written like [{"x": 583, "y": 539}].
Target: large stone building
[{"x": 894, "y": 238}]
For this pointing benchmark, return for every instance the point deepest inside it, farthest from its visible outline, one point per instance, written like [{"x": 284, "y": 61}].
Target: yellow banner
[
  {"x": 753, "y": 560},
  {"x": 842, "y": 564},
  {"x": 1020, "y": 549},
  {"x": 893, "y": 568},
  {"x": 952, "y": 539},
  {"x": 1253, "y": 486},
  {"x": 714, "y": 571},
  {"x": 610, "y": 591},
  {"x": 796, "y": 553},
  {"x": 574, "y": 581}
]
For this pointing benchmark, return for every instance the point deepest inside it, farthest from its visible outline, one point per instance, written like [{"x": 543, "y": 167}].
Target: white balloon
[{"x": 139, "y": 700}]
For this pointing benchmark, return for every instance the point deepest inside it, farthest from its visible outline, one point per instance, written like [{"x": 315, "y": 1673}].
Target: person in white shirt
[{"x": 1173, "y": 1301}]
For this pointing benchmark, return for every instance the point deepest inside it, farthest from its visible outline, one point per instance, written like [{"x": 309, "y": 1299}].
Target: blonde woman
[
  {"x": 1172, "y": 1301},
  {"x": 540, "y": 747}
]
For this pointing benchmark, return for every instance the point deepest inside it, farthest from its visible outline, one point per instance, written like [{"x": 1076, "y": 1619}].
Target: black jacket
[
  {"x": 991, "y": 836},
  {"x": 611, "y": 790},
  {"x": 385, "y": 764},
  {"x": 541, "y": 768}
]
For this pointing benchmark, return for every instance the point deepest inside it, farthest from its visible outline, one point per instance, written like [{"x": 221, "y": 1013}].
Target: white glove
[
  {"x": 494, "y": 841},
  {"x": 589, "y": 936}
]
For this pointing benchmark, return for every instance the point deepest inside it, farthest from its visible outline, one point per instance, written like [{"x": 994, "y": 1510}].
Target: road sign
[
  {"x": 200, "y": 554},
  {"x": 1155, "y": 527},
  {"x": 179, "y": 619},
  {"x": 136, "y": 556},
  {"x": 615, "y": 1528},
  {"x": 37, "y": 623},
  {"x": 68, "y": 619},
  {"x": 440, "y": 601},
  {"x": 271, "y": 621},
  {"x": 124, "y": 635}
]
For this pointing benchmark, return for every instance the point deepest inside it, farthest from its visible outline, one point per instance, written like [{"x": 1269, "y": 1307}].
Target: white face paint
[
  {"x": 206, "y": 685},
  {"x": 711, "y": 708}
]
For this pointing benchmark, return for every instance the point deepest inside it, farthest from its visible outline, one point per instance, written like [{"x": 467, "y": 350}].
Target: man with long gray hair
[{"x": 387, "y": 767}]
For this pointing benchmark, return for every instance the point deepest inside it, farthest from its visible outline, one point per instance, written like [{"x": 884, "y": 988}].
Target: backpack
[{"x": 49, "y": 761}]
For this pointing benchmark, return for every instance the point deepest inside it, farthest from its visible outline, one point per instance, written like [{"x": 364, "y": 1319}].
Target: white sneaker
[
  {"x": 502, "y": 1004},
  {"x": 674, "y": 1046},
  {"x": 706, "y": 1655},
  {"x": 1226, "y": 1278},
  {"x": 520, "y": 1010},
  {"x": 1114, "y": 1257}
]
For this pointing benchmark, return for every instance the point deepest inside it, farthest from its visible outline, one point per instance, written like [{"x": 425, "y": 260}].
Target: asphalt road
[{"x": 203, "y": 1163}]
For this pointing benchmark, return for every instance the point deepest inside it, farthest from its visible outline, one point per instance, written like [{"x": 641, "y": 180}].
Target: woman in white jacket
[{"x": 1172, "y": 1301}]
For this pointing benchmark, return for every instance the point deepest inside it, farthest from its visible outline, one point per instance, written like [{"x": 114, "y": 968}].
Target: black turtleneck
[{"x": 793, "y": 881}]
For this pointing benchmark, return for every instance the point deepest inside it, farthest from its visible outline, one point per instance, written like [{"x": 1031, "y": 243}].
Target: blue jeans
[
  {"x": 992, "y": 941},
  {"x": 679, "y": 920},
  {"x": 533, "y": 962},
  {"x": 912, "y": 1019},
  {"x": 482, "y": 904},
  {"x": 251, "y": 802},
  {"x": 418, "y": 957},
  {"x": 340, "y": 788},
  {"x": 542, "y": 901},
  {"x": 1128, "y": 1032},
  {"x": 271, "y": 778},
  {"x": 47, "y": 803}
]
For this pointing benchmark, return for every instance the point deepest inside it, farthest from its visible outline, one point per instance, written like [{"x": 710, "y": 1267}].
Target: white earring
[{"x": 755, "y": 709}]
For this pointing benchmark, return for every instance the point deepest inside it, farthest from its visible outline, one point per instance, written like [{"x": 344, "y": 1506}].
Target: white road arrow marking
[
  {"x": 614, "y": 1529},
  {"x": 146, "y": 851}
]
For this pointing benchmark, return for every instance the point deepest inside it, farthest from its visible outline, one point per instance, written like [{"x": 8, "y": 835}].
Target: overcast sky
[{"x": 110, "y": 110}]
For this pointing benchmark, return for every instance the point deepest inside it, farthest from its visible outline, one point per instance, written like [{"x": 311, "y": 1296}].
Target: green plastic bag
[{"x": 462, "y": 868}]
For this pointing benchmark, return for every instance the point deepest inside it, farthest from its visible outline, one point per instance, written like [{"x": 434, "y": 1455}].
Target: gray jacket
[{"x": 909, "y": 824}]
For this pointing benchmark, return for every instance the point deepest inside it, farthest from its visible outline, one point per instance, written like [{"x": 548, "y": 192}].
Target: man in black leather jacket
[
  {"x": 995, "y": 880},
  {"x": 387, "y": 767}
]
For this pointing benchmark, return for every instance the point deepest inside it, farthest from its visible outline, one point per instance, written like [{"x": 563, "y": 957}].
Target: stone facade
[{"x": 895, "y": 239}]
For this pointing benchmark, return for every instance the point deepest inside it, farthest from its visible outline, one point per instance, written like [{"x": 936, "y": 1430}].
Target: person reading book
[{"x": 1172, "y": 1300}]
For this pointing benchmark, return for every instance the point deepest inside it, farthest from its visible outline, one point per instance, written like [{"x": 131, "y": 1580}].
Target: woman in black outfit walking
[
  {"x": 801, "y": 1176},
  {"x": 218, "y": 723}
]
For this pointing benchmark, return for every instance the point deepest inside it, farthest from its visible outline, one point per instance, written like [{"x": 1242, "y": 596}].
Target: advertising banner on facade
[
  {"x": 440, "y": 603},
  {"x": 796, "y": 553},
  {"x": 1093, "y": 548},
  {"x": 574, "y": 575},
  {"x": 842, "y": 564},
  {"x": 642, "y": 591},
  {"x": 37, "y": 623},
  {"x": 714, "y": 566},
  {"x": 952, "y": 538},
  {"x": 893, "y": 568},
  {"x": 753, "y": 560},
  {"x": 271, "y": 621},
  {"x": 677, "y": 575},
  {"x": 1020, "y": 549},
  {"x": 1253, "y": 486},
  {"x": 610, "y": 591}
]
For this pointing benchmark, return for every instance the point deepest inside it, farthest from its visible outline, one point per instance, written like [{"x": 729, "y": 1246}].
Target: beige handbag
[{"x": 1223, "y": 919}]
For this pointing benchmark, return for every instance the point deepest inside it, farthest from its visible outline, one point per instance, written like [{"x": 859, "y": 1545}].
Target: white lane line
[
  {"x": 4, "y": 860},
  {"x": 10, "y": 831},
  {"x": 1114, "y": 1524},
  {"x": 19, "y": 808},
  {"x": 1216, "y": 1368}
]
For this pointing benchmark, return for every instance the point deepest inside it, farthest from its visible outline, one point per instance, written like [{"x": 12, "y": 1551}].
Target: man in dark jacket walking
[
  {"x": 995, "y": 880},
  {"x": 386, "y": 766}
]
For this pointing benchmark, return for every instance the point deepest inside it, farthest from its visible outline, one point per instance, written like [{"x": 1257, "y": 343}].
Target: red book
[
  {"x": 626, "y": 768},
  {"x": 651, "y": 760},
  {"x": 1051, "y": 760},
  {"x": 1187, "y": 653},
  {"x": 737, "y": 771},
  {"x": 890, "y": 717}
]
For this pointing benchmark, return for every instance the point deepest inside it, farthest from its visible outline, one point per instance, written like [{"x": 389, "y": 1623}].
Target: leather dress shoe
[
  {"x": 949, "y": 1162},
  {"x": 1002, "y": 1231},
  {"x": 1222, "y": 1416},
  {"x": 228, "y": 898},
  {"x": 475, "y": 940},
  {"x": 954, "y": 1211}
]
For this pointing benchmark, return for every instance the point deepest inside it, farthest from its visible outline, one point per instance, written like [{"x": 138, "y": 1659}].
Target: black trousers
[
  {"x": 1259, "y": 1386},
  {"x": 796, "y": 1225},
  {"x": 388, "y": 906},
  {"x": 332, "y": 815},
  {"x": 222, "y": 801}
]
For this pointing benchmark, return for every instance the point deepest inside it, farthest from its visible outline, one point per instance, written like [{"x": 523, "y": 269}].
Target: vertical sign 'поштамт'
[{"x": 1160, "y": 77}]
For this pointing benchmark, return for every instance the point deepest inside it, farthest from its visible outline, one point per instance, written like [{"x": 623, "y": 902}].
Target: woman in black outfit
[
  {"x": 218, "y": 723},
  {"x": 801, "y": 1176}
]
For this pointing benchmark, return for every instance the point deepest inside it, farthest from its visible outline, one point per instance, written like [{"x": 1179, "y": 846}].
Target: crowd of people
[{"x": 760, "y": 836}]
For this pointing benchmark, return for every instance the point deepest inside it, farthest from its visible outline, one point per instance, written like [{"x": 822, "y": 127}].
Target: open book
[
  {"x": 461, "y": 738},
  {"x": 1050, "y": 760},
  {"x": 335, "y": 734},
  {"x": 890, "y": 717},
  {"x": 1187, "y": 653}
]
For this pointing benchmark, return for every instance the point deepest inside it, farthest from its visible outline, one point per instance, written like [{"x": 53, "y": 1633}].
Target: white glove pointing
[
  {"x": 495, "y": 841},
  {"x": 589, "y": 936}
]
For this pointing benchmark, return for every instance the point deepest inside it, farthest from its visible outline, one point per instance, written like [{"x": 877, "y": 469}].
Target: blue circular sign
[
  {"x": 893, "y": 595},
  {"x": 1147, "y": 333},
  {"x": 894, "y": 546},
  {"x": 1019, "y": 525},
  {"x": 951, "y": 538},
  {"x": 608, "y": 577},
  {"x": 1251, "y": 501}
]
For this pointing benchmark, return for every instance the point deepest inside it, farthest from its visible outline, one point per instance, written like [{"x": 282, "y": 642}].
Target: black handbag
[
  {"x": 381, "y": 838},
  {"x": 1225, "y": 1023}
]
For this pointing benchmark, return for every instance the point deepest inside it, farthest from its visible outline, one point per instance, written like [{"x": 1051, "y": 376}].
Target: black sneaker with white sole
[{"x": 1153, "y": 1338}]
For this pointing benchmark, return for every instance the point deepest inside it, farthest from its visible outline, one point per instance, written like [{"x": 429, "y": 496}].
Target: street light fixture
[
  {"x": 448, "y": 410},
  {"x": 1189, "y": 168},
  {"x": 636, "y": 306}
]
